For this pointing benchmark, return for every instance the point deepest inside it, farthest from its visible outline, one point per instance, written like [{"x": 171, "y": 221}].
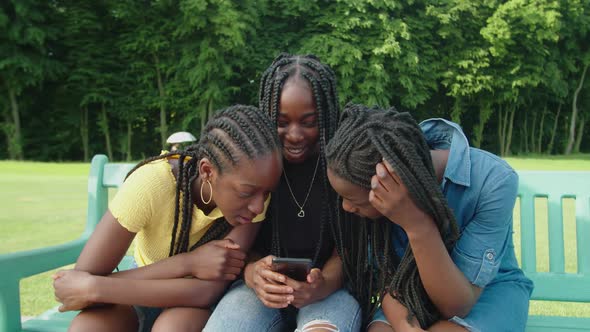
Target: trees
[
  {"x": 26, "y": 59},
  {"x": 119, "y": 76}
]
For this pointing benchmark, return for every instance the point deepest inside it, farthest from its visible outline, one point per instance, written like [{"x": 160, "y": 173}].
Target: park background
[{"x": 80, "y": 77}]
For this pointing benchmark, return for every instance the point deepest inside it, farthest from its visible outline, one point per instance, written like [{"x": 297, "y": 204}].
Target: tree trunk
[
  {"x": 15, "y": 144},
  {"x": 129, "y": 136},
  {"x": 572, "y": 135},
  {"x": 104, "y": 124},
  {"x": 580, "y": 134},
  {"x": 540, "y": 138},
  {"x": 533, "y": 132},
  {"x": 554, "y": 131},
  {"x": 502, "y": 129},
  {"x": 210, "y": 110},
  {"x": 7, "y": 129},
  {"x": 84, "y": 132},
  {"x": 509, "y": 134},
  {"x": 203, "y": 120},
  {"x": 526, "y": 133},
  {"x": 485, "y": 113},
  {"x": 163, "y": 124},
  {"x": 206, "y": 114}
]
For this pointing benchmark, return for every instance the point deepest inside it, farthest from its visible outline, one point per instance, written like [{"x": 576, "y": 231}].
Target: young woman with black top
[{"x": 299, "y": 92}]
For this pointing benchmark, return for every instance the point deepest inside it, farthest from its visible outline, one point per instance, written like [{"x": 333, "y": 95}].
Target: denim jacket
[{"x": 480, "y": 189}]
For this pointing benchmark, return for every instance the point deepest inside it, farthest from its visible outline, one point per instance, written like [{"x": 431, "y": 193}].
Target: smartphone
[{"x": 294, "y": 268}]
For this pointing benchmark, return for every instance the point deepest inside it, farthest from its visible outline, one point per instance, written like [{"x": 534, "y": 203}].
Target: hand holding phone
[{"x": 294, "y": 268}]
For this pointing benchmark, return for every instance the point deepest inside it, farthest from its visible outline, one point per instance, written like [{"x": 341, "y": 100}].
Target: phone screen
[{"x": 294, "y": 268}]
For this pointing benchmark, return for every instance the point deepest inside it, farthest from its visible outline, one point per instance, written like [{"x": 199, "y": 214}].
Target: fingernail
[
  {"x": 373, "y": 183},
  {"x": 380, "y": 172}
]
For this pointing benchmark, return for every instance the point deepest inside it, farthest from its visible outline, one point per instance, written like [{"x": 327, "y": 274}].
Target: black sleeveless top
[{"x": 299, "y": 237}]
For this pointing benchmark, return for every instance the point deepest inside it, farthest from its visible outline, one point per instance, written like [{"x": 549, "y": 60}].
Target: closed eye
[
  {"x": 245, "y": 194},
  {"x": 310, "y": 124}
]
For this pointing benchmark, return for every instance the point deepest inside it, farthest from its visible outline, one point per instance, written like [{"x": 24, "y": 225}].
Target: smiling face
[
  {"x": 240, "y": 191},
  {"x": 298, "y": 121},
  {"x": 355, "y": 199}
]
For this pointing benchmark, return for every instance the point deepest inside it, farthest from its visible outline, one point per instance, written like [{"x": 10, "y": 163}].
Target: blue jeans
[
  {"x": 502, "y": 306},
  {"x": 241, "y": 310}
]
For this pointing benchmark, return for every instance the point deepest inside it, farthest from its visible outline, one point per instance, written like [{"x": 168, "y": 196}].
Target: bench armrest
[{"x": 18, "y": 265}]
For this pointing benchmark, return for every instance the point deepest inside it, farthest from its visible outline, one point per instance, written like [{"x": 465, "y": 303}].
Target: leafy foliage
[{"x": 85, "y": 77}]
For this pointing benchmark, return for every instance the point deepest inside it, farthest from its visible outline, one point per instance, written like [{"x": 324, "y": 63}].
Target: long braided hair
[
  {"x": 363, "y": 139},
  {"x": 232, "y": 134},
  {"x": 322, "y": 81}
]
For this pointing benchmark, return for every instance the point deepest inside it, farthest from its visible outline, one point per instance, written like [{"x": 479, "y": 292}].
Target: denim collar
[{"x": 442, "y": 134}]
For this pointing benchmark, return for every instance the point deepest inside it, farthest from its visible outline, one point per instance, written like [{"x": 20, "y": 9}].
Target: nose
[
  {"x": 294, "y": 134},
  {"x": 256, "y": 205}
]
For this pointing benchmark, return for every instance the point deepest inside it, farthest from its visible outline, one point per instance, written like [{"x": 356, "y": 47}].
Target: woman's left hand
[
  {"x": 391, "y": 198},
  {"x": 307, "y": 292},
  {"x": 72, "y": 288}
]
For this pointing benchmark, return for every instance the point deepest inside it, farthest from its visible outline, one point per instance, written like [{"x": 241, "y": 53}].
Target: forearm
[
  {"x": 182, "y": 292},
  {"x": 397, "y": 315},
  {"x": 244, "y": 235},
  {"x": 447, "y": 287},
  {"x": 177, "y": 266},
  {"x": 185, "y": 264}
]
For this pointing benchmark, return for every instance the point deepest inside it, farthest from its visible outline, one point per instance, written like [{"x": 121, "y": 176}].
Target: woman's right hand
[
  {"x": 267, "y": 284},
  {"x": 217, "y": 260},
  {"x": 73, "y": 289}
]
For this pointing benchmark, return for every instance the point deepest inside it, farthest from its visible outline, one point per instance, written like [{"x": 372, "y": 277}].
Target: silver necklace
[{"x": 301, "y": 213}]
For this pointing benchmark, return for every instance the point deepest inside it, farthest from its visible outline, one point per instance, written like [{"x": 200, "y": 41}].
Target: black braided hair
[
  {"x": 233, "y": 133},
  {"x": 322, "y": 82},
  {"x": 363, "y": 139}
]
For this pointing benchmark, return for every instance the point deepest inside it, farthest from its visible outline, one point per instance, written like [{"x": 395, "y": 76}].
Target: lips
[
  {"x": 244, "y": 220},
  {"x": 295, "y": 150}
]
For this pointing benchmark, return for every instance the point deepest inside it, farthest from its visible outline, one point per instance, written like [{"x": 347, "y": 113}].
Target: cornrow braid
[
  {"x": 232, "y": 134},
  {"x": 364, "y": 138},
  {"x": 322, "y": 82}
]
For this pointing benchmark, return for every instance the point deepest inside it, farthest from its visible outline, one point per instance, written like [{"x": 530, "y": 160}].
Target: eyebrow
[{"x": 306, "y": 115}]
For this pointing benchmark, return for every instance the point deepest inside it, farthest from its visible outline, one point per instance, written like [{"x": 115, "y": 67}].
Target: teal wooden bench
[{"x": 555, "y": 285}]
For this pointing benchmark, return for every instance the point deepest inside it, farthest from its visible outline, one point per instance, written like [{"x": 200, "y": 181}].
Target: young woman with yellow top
[{"x": 193, "y": 214}]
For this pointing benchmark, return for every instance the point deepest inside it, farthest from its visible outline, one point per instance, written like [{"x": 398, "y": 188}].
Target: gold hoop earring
[{"x": 210, "y": 190}]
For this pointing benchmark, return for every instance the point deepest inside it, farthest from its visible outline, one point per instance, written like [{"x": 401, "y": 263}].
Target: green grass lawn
[
  {"x": 42, "y": 204},
  {"x": 579, "y": 162},
  {"x": 45, "y": 204}
]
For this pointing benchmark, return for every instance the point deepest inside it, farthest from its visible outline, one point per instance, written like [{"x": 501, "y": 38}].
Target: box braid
[
  {"x": 231, "y": 134},
  {"x": 363, "y": 139},
  {"x": 322, "y": 81}
]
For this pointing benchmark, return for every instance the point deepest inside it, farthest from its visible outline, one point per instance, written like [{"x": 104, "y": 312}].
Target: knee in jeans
[{"x": 319, "y": 325}]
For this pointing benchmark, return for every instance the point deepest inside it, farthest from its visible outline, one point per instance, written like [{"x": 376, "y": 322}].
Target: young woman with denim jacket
[{"x": 440, "y": 242}]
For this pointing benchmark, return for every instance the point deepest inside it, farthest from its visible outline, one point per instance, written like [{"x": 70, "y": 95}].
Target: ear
[{"x": 206, "y": 169}]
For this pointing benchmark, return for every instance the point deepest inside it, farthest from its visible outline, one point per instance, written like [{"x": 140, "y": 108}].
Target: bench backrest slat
[
  {"x": 114, "y": 174},
  {"x": 583, "y": 233},
  {"x": 555, "y": 228},
  {"x": 527, "y": 231},
  {"x": 110, "y": 175}
]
